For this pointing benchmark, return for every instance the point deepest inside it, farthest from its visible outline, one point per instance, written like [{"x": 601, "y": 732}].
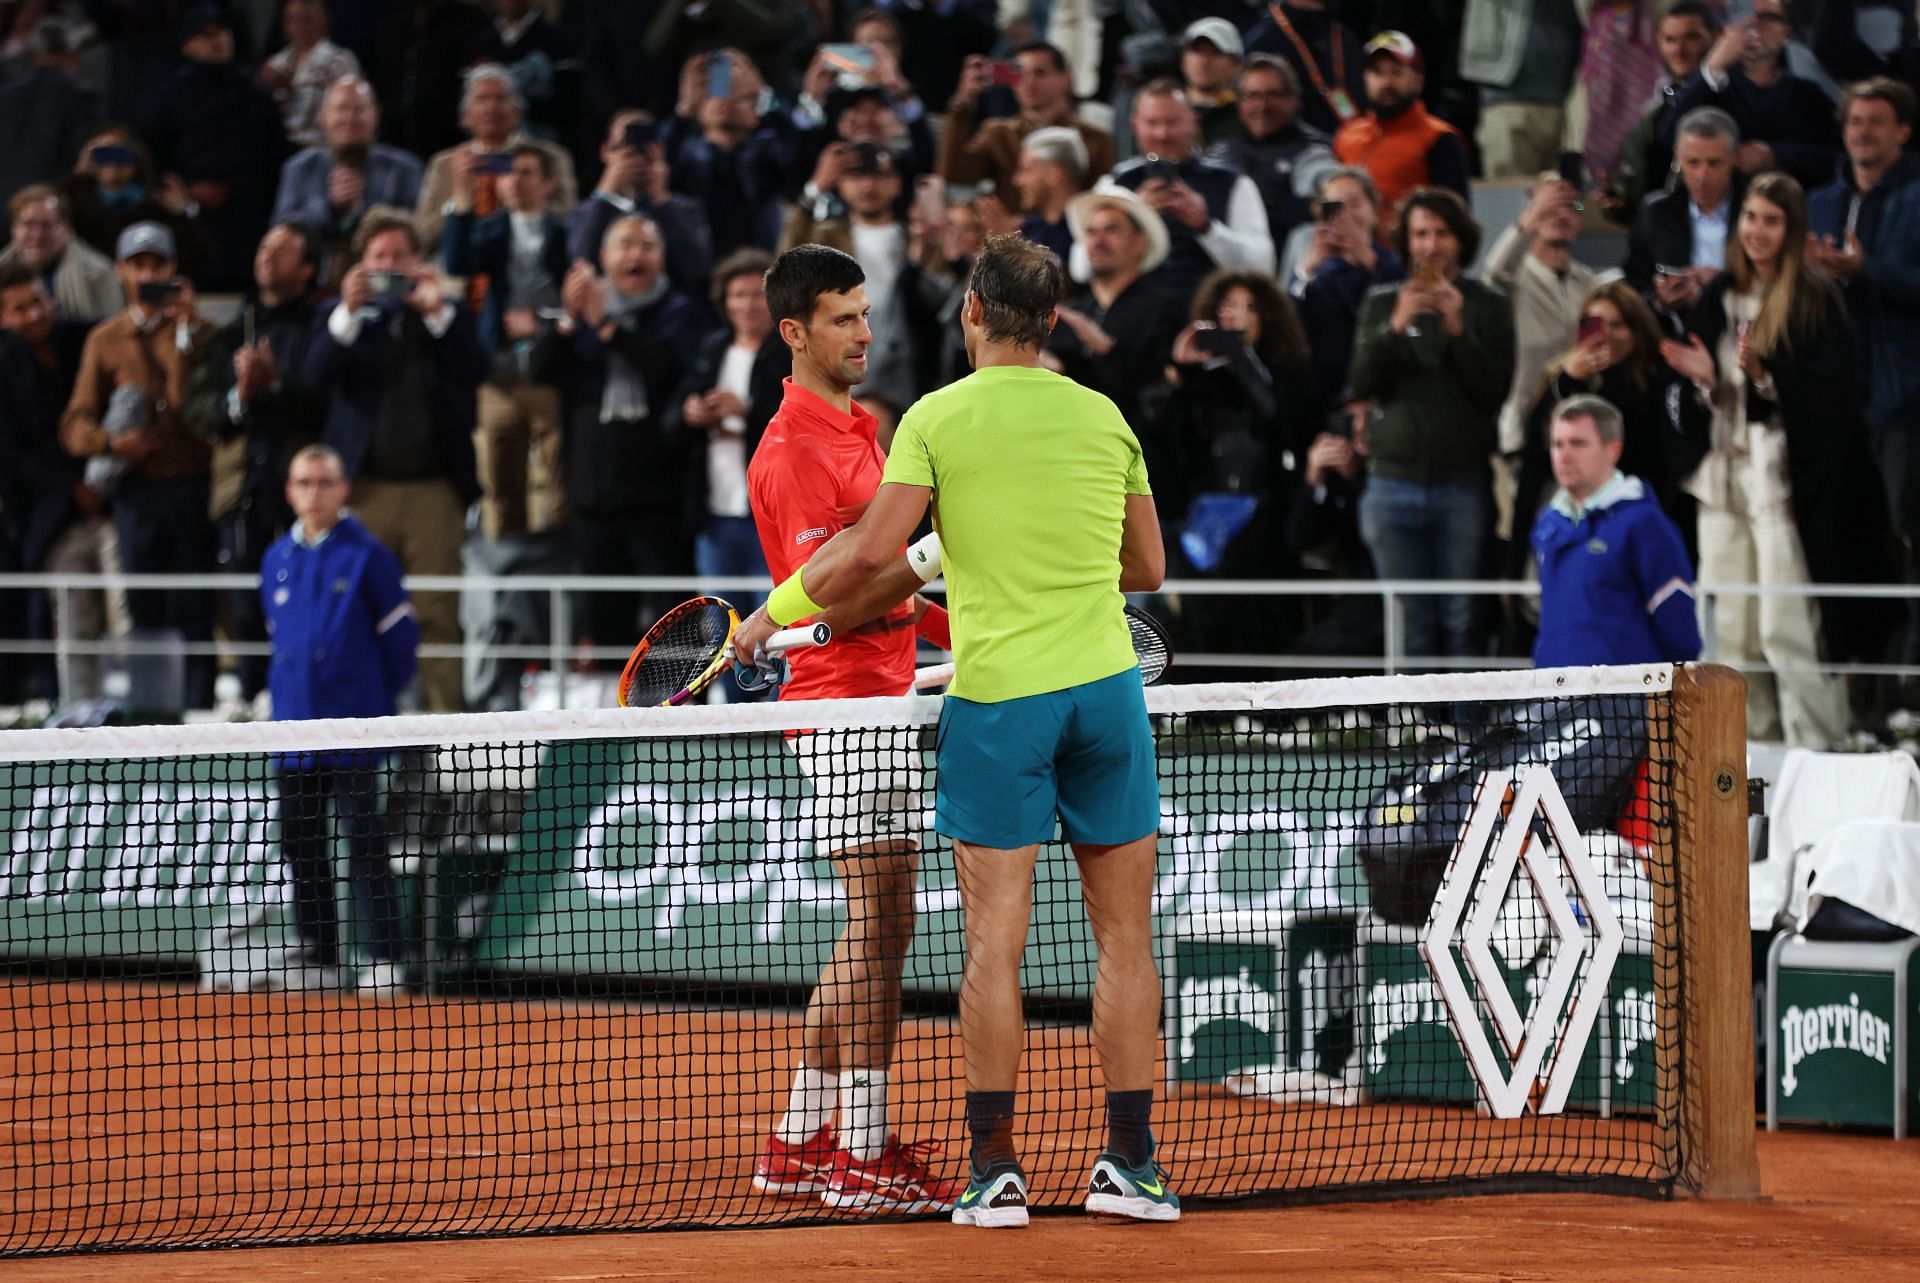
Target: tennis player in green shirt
[{"x": 1045, "y": 518}]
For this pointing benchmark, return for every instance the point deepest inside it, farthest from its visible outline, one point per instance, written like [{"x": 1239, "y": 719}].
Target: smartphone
[
  {"x": 1219, "y": 342},
  {"x": 1668, "y": 269},
  {"x": 1328, "y": 210},
  {"x": 1155, "y": 167},
  {"x": 719, "y": 76},
  {"x": 114, "y": 154},
  {"x": 390, "y": 284},
  {"x": 493, "y": 162},
  {"x": 246, "y": 327},
  {"x": 1573, "y": 169},
  {"x": 854, "y": 59},
  {"x": 155, "y": 293},
  {"x": 1592, "y": 328},
  {"x": 1004, "y": 73},
  {"x": 930, "y": 196},
  {"x": 1426, "y": 272},
  {"x": 638, "y": 134}
]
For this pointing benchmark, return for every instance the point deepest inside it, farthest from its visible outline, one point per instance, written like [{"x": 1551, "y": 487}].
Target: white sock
[
  {"x": 863, "y": 1112},
  {"x": 809, "y": 1105}
]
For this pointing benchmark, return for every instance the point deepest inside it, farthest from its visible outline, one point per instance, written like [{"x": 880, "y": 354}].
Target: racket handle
[
  {"x": 933, "y": 675},
  {"x": 794, "y": 638}
]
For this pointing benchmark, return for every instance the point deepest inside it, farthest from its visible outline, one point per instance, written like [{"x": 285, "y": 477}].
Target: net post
[{"x": 1709, "y": 1019}]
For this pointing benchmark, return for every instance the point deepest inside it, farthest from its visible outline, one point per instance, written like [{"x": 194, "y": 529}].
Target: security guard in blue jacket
[
  {"x": 344, "y": 645},
  {"x": 1615, "y": 583}
]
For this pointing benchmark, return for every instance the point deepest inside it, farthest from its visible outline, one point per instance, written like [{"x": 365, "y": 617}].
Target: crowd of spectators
[{"x": 502, "y": 256}]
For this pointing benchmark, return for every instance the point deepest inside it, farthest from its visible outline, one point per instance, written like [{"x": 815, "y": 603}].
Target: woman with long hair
[
  {"x": 1616, "y": 356},
  {"x": 1787, "y": 489},
  {"x": 1240, "y": 411}
]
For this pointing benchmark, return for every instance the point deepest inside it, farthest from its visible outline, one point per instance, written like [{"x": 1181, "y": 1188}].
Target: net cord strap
[{"x": 117, "y": 742}]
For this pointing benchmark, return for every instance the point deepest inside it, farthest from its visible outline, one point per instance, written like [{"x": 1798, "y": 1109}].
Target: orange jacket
[{"x": 1394, "y": 152}]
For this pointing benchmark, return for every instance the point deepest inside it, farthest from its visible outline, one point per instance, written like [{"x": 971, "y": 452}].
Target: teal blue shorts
[{"x": 1004, "y": 772}]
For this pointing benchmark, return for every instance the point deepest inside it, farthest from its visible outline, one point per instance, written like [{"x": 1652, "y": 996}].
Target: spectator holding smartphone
[
  {"x": 1533, "y": 262},
  {"x": 113, "y": 186},
  {"x": 1786, "y": 487},
  {"x": 328, "y": 186},
  {"x": 976, "y": 151},
  {"x": 1679, "y": 239},
  {"x": 1334, "y": 261},
  {"x": 1240, "y": 414},
  {"x": 402, "y": 363},
  {"x": 732, "y": 159},
  {"x": 125, "y": 419},
  {"x": 491, "y": 110},
  {"x": 1435, "y": 356},
  {"x": 635, "y": 178}
]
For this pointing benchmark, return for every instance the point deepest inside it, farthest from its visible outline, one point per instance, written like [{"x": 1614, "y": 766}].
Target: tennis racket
[
  {"x": 1150, "y": 647},
  {"x": 686, "y": 649}
]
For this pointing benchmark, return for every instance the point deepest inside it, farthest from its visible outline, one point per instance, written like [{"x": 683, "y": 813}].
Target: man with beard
[{"x": 1400, "y": 145}]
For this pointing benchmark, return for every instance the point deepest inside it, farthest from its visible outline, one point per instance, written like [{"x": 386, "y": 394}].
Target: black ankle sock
[
  {"x": 1128, "y": 1131},
  {"x": 990, "y": 1119}
]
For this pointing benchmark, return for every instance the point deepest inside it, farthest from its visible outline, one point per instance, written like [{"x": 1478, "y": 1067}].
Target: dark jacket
[
  {"x": 1662, "y": 234},
  {"x": 37, "y": 474},
  {"x": 1315, "y": 28},
  {"x": 739, "y": 190},
  {"x": 1274, "y": 164},
  {"x": 771, "y": 366},
  {"x": 1835, "y": 40},
  {"x": 392, "y": 178},
  {"x": 1237, "y": 427},
  {"x": 1616, "y": 586},
  {"x": 1881, "y": 299},
  {"x": 1329, "y": 306},
  {"x": 620, "y": 467},
  {"x": 251, "y": 451},
  {"x": 1791, "y": 115},
  {"x": 44, "y": 121},
  {"x": 1839, "y": 507},
  {"x": 684, "y": 236},
  {"x": 354, "y": 378},
  {"x": 1437, "y": 396},
  {"x": 344, "y": 633},
  {"x": 485, "y": 245}
]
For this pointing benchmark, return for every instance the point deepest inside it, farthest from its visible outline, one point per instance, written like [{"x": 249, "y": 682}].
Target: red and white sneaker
[
  {"x": 796, "y": 1169},
  {"x": 899, "y": 1180}
]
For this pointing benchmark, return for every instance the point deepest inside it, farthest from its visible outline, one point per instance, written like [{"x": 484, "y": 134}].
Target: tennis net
[{"x": 520, "y": 972}]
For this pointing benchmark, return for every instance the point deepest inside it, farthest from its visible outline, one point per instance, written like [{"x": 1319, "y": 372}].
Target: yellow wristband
[{"x": 789, "y": 602}]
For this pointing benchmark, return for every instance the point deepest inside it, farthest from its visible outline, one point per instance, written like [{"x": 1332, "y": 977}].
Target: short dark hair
[
  {"x": 1692, "y": 9},
  {"x": 749, "y": 261},
  {"x": 309, "y": 241},
  {"x": 1018, "y": 284},
  {"x": 534, "y": 149},
  {"x": 1444, "y": 204},
  {"x": 800, "y": 276},
  {"x": 1046, "y": 47},
  {"x": 1882, "y": 89},
  {"x": 380, "y": 220},
  {"x": 15, "y": 274}
]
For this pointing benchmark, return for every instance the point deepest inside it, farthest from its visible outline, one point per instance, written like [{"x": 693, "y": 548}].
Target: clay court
[{"x": 173, "y": 1115}]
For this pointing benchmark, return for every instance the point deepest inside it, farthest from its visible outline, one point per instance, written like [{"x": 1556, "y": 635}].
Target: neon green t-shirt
[{"x": 1030, "y": 474}]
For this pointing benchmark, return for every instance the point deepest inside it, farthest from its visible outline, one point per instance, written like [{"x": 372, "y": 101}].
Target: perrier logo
[{"x": 1831, "y": 1026}]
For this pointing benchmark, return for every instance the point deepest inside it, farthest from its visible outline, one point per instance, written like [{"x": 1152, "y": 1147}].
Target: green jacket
[{"x": 1437, "y": 398}]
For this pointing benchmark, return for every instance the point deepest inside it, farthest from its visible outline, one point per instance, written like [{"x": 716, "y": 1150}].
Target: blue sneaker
[
  {"x": 1137, "y": 1193},
  {"x": 993, "y": 1199}
]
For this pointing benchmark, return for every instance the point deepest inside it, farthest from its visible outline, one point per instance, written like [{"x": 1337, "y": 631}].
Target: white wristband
[{"x": 924, "y": 558}]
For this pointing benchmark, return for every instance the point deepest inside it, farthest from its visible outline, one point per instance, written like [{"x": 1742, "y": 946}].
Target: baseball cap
[
  {"x": 144, "y": 238},
  {"x": 198, "y": 17},
  {"x": 1399, "y": 46},
  {"x": 1083, "y": 206},
  {"x": 1220, "y": 33}
]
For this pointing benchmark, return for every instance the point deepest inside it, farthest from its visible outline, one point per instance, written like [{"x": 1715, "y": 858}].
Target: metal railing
[{"x": 559, "y": 654}]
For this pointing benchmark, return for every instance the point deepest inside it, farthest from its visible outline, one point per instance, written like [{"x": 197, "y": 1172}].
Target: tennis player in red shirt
[{"x": 813, "y": 474}]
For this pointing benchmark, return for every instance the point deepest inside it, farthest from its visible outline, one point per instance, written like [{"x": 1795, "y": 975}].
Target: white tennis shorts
[{"x": 866, "y": 785}]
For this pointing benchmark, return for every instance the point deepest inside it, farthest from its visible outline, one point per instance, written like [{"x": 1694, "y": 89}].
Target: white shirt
[{"x": 727, "y": 448}]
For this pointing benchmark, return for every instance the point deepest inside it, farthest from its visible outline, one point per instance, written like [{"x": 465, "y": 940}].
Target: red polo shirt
[{"x": 813, "y": 474}]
